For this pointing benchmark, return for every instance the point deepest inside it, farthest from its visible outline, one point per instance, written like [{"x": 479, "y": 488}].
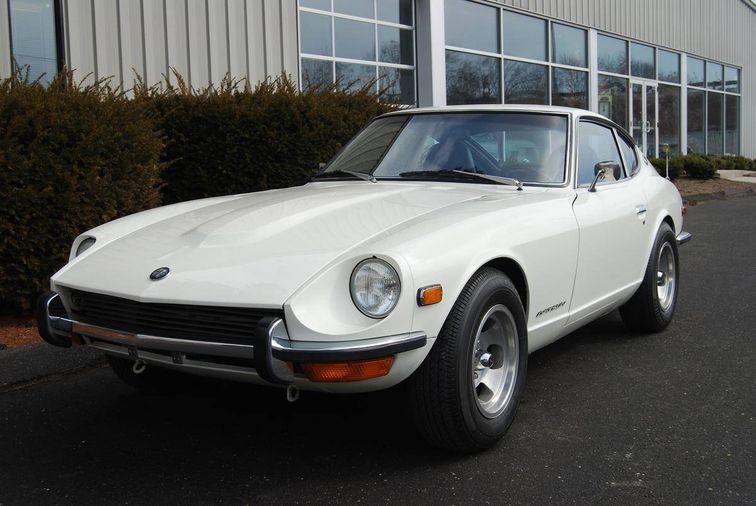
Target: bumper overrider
[{"x": 270, "y": 355}]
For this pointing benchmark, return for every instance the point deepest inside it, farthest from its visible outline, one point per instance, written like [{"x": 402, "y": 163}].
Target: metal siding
[
  {"x": 132, "y": 41},
  {"x": 156, "y": 39},
  {"x": 718, "y": 30},
  {"x": 107, "y": 41},
  {"x": 202, "y": 39},
  {"x": 5, "y": 45}
]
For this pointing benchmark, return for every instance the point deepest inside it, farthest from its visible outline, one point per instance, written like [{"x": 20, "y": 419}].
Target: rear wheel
[
  {"x": 464, "y": 396},
  {"x": 151, "y": 379},
  {"x": 652, "y": 306}
]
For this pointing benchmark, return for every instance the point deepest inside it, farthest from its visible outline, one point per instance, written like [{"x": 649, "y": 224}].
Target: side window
[
  {"x": 596, "y": 144},
  {"x": 628, "y": 152}
]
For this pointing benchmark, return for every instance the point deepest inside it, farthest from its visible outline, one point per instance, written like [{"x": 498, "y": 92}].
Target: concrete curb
[
  {"x": 35, "y": 362},
  {"x": 721, "y": 195}
]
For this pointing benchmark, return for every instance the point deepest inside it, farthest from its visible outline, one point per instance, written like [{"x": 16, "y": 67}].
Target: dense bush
[
  {"x": 734, "y": 163},
  {"x": 234, "y": 140},
  {"x": 699, "y": 167},
  {"x": 71, "y": 157},
  {"x": 675, "y": 166}
]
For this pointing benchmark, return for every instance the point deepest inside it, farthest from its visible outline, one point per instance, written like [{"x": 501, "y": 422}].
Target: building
[{"x": 674, "y": 72}]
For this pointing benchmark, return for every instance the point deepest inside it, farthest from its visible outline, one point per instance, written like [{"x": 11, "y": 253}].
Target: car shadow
[{"x": 230, "y": 434}]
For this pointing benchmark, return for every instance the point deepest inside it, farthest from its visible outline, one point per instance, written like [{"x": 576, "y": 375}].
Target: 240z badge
[{"x": 550, "y": 308}]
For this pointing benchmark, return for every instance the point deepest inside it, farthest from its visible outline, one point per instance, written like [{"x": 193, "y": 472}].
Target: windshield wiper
[
  {"x": 498, "y": 179},
  {"x": 452, "y": 174},
  {"x": 359, "y": 175}
]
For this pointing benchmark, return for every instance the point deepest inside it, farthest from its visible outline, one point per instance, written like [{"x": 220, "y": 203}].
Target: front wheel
[
  {"x": 464, "y": 396},
  {"x": 652, "y": 306}
]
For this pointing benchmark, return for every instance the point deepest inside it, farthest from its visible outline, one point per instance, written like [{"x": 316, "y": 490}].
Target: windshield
[{"x": 529, "y": 147}]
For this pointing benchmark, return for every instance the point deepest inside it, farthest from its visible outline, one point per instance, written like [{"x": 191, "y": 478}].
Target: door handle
[{"x": 640, "y": 210}]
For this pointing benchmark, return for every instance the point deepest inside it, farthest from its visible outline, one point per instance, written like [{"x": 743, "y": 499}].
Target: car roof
[{"x": 496, "y": 108}]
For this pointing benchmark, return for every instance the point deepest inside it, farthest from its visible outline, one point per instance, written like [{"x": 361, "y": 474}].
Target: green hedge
[
  {"x": 71, "y": 157},
  {"x": 699, "y": 166},
  {"x": 224, "y": 141}
]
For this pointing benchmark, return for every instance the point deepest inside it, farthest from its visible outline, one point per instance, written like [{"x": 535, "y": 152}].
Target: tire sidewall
[
  {"x": 665, "y": 235},
  {"x": 492, "y": 290}
]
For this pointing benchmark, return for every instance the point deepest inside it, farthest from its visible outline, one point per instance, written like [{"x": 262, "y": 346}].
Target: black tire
[
  {"x": 442, "y": 399},
  {"x": 151, "y": 380},
  {"x": 645, "y": 312}
]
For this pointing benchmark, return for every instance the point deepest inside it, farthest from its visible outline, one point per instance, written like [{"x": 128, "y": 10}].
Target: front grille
[{"x": 179, "y": 321}]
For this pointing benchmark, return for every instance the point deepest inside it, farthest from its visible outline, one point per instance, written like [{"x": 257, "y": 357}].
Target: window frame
[
  {"x": 333, "y": 59},
  {"x": 616, "y": 131},
  {"x": 60, "y": 52}
]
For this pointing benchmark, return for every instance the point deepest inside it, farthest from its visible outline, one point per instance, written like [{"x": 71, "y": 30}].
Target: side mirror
[{"x": 601, "y": 170}]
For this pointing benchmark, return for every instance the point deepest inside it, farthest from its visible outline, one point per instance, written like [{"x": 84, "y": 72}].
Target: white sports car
[{"x": 439, "y": 247}]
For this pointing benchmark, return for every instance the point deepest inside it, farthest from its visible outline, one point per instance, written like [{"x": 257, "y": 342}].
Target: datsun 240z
[{"x": 438, "y": 248}]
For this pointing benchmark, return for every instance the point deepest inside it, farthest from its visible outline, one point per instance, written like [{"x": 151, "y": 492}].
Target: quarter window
[{"x": 596, "y": 144}]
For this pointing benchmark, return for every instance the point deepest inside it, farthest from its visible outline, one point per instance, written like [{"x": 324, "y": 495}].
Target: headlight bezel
[{"x": 391, "y": 269}]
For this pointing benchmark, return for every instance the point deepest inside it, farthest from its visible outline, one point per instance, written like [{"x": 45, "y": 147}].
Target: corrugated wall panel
[
  {"x": 132, "y": 41},
  {"x": 721, "y": 30},
  {"x": 5, "y": 44},
  {"x": 156, "y": 39},
  {"x": 107, "y": 43},
  {"x": 202, "y": 39}
]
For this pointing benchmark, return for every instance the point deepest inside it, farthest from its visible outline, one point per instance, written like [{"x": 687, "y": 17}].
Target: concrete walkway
[{"x": 743, "y": 176}]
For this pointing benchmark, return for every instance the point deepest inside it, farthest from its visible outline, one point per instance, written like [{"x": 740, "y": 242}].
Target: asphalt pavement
[{"x": 608, "y": 416}]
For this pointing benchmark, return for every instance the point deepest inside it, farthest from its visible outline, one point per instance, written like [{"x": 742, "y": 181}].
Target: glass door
[{"x": 643, "y": 116}]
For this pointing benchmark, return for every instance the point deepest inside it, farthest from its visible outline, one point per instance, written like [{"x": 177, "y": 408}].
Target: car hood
[{"x": 253, "y": 249}]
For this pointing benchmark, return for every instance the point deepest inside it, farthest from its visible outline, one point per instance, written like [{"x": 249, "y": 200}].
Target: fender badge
[{"x": 159, "y": 273}]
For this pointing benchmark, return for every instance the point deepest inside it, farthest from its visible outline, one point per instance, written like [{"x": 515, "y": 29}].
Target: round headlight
[
  {"x": 375, "y": 287},
  {"x": 85, "y": 245}
]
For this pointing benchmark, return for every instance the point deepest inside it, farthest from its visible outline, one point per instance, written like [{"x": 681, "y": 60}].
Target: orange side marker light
[
  {"x": 430, "y": 295},
  {"x": 340, "y": 372}
]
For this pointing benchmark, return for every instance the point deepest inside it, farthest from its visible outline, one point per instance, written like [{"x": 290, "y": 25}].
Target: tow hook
[
  {"x": 292, "y": 393},
  {"x": 139, "y": 367}
]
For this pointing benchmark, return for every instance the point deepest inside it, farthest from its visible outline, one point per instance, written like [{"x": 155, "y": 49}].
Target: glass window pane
[
  {"x": 696, "y": 127},
  {"x": 732, "y": 125},
  {"x": 524, "y": 36},
  {"x": 471, "y": 25},
  {"x": 612, "y": 98},
  {"x": 714, "y": 112},
  {"x": 33, "y": 38},
  {"x": 628, "y": 152},
  {"x": 353, "y": 76},
  {"x": 669, "y": 117},
  {"x": 596, "y": 144},
  {"x": 713, "y": 76},
  {"x": 695, "y": 72},
  {"x": 569, "y": 46},
  {"x": 323, "y": 5},
  {"x": 525, "y": 83},
  {"x": 669, "y": 66},
  {"x": 398, "y": 85},
  {"x": 354, "y": 39},
  {"x": 642, "y": 60},
  {"x": 395, "y": 11},
  {"x": 361, "y": 8},
  {"x": 732, "y": 79},
  {"x": 569, "y": 88},
  {"x": 395, "y": 45},
  {"x": 315, "y": 34},
  {"x": 612, "y": 55},
  {"x": 316, "y": 72},
  {"x": 472, "y": 79}
]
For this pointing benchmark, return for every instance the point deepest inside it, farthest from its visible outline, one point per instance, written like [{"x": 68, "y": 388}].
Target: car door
[{"x": 611, "y": 222}]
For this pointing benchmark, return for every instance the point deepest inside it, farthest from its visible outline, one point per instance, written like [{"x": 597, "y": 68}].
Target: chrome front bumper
[
  {"x": 683, "y": 237},
  {"x": 267, "y": 356}
]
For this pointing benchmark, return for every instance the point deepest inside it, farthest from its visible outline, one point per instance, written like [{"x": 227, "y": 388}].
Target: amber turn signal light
[
  {"x": 339, "y": 372},
  {"x": 429, "y": 295}
]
